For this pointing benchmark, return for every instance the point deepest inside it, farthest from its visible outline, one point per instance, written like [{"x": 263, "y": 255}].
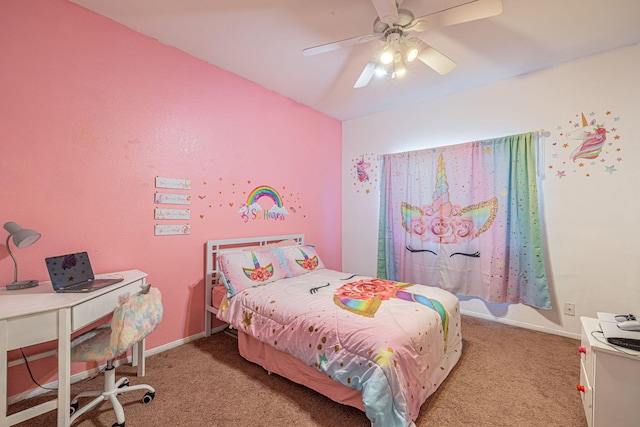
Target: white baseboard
[
  {"x": 81, "y": 376},
  {"x": 173, "y": 344},
  {"x": 219, "y": 329},
  {"x": 519, "y": 324}
]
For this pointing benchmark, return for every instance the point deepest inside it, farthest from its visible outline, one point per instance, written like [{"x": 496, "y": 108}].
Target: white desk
[{"x": 37, "y": 315}]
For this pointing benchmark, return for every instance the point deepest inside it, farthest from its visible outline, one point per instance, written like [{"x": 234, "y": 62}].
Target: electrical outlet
[{"x": 570, "y": 308}]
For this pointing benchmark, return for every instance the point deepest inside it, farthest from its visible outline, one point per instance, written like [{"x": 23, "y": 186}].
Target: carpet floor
[{"x": 507, "y": 376}]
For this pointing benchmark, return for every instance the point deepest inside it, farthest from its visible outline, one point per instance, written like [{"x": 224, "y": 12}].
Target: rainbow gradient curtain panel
[{"x": 465, "y": 218}]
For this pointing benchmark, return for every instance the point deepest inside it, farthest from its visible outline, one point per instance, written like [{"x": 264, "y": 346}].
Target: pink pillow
[
  {"x": 246, "y": 269},
  {"x": 301, "y": 259},
  {"x": 281, "y": 243}
]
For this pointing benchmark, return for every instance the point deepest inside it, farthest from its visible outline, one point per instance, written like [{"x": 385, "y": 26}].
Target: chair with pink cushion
[{"x": 135, "y": 317}]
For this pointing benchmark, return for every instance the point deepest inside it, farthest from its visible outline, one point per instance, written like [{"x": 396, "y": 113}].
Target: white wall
[{"x": 592, "y": 222}]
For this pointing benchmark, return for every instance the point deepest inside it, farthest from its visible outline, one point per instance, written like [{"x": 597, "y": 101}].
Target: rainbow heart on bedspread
[
  {"x": 365, "y": 308},
  {"x": 364, "y": 297}
]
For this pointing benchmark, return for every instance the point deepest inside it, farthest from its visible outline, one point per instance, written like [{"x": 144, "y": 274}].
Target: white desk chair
[{"x": 135, "y": 318}]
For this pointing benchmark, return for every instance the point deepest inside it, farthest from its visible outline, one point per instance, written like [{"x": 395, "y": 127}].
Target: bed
[{"x": 380, "y": 346}]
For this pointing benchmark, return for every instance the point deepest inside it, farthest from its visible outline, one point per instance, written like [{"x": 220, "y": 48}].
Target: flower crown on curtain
[{"x": 445, "y": 222}]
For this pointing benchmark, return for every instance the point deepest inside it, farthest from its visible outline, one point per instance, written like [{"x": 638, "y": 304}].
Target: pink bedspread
[{"x": 394, "y": 342}]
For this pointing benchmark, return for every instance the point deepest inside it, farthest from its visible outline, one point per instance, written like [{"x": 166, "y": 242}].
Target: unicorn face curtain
[{"x": 465, "y": 218}]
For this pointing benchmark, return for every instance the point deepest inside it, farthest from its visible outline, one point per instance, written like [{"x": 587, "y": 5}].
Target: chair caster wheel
[
  {"x": 118, "y": 425},
  {"x": 125, "y": 383},
  {"x": 148, "y": 397},
  {"x": 73, "y": 408}
]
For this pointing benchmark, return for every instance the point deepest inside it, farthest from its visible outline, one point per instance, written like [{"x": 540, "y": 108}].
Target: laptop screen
[{"x": 68, "y": 270}]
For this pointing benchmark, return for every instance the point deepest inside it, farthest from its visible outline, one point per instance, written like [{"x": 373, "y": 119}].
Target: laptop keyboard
[{"x": 89, "y": 285}]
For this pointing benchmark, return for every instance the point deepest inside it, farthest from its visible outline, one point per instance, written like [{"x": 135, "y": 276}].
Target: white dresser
[{"x": 609, "y": 380}]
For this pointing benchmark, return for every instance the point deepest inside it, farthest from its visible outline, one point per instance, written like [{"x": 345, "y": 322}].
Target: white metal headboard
[{"x": 214, "y": 247}]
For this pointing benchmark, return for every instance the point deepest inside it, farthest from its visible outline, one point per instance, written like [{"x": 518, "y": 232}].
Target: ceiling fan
[{"x": 394, "y": 26}]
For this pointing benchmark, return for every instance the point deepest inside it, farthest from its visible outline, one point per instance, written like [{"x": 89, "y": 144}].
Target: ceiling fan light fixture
[
  {"x": 412, "y": 48},
  {"x": 399, "y": 71},
  {"x": 412, "y": 53},
  {"x": 386, "y": 57},
  {"x": 381, "y": 71},
  {"x": 399, "y": 67},
  {"x": 393, "y": 27}
]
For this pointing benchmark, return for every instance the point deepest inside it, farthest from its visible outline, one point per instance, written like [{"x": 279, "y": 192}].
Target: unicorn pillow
[
  {"x": 301, "y": 259},
  {"x": 245, "y": 269}
]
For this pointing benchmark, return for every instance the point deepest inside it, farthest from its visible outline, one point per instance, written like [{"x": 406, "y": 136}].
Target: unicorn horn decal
[{"x": 307, "y": 263}]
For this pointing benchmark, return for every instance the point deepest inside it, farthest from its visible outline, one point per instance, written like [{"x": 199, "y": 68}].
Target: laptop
[
  {"x": 616, "y": 336},
  {"x": 73, "y": 273}
]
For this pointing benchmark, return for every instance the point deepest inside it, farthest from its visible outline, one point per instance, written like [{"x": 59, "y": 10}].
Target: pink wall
[{"x": 92, "y": 112}]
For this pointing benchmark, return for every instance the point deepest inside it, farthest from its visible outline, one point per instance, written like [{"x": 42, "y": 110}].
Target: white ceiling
[{"x": 262, "y": 41}]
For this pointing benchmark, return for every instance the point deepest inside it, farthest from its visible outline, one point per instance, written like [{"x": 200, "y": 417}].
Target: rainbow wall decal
[
  {"x": 251, "y": 209},
  {"x": 264, "y": 191}
]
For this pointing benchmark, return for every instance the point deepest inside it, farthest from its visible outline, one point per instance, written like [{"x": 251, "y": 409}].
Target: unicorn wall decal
[
  {"x": 593, "y": 140},
  {"x": 361, "y": 168}
]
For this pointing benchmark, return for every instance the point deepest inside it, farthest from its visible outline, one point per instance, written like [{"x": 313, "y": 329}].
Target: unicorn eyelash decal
[
  {"x": 410, "y": 249},
  {"x": 473, "y": 255},
  {"x": 316, "y": 289}
]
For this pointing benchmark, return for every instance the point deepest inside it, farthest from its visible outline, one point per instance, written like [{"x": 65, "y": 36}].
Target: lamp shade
[{"x": 22, "y": 237}]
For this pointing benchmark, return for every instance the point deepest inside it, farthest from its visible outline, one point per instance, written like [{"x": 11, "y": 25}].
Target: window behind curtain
[{"x": 465, "y": 218}]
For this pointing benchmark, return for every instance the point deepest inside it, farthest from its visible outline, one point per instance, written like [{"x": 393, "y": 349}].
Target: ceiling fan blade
[
  {"x": 472, "y": 11},
  {"x": 432, "y": 57},
  {"x": 365, "y": 76},
  {"x": 337, "y": 45},
  {"x": 387, "y": 11}
]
